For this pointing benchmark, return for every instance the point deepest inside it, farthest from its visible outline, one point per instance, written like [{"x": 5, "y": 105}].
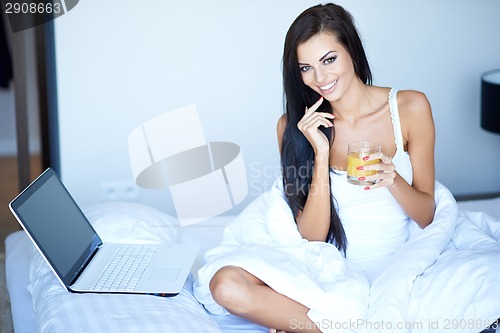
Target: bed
[
  {"x": 32, "y": 286},
  {"x": 39, "y": 303}
]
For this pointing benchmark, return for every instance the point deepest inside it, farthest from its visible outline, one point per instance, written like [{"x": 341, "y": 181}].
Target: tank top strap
[{"x": 396, "y": 124}]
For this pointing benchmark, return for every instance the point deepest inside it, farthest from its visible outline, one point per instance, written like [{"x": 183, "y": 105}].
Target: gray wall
[{"x": 122, "y": 62}]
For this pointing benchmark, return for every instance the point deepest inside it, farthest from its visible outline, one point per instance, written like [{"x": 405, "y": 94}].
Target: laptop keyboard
[{"x": 125, "y": 268}]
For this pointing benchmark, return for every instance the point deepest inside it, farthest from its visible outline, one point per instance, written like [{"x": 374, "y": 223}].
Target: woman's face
[{"x": 326, "y": 66}]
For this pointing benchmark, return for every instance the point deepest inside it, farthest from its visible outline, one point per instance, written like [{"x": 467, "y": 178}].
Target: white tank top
[{"x": 374, "y": 223}]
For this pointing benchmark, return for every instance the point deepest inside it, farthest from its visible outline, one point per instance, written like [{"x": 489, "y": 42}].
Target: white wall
[{"x": 122, "y": 62}]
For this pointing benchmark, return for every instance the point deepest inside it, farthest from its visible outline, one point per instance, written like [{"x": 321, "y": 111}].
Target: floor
[{"x": 8, "y": 190}]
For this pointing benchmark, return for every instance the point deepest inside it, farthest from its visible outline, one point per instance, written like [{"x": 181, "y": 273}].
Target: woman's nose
[{"x": 320, "y": 75}]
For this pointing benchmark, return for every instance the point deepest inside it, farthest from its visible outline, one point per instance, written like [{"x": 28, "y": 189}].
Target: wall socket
[{"x": 119, "y": 190}]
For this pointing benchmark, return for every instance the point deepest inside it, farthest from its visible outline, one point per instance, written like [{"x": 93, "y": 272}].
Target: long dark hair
[{"x": 297, "y": 155}]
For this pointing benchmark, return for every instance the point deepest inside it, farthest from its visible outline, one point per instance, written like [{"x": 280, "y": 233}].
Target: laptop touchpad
[{"x": 165, "y": 273}]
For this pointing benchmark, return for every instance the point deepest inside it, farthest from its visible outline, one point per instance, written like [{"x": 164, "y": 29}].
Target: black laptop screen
[{"x": 56, "y": 224}]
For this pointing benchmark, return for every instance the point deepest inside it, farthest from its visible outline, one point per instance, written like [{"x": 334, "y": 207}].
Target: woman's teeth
[{"x": 329, "y": 86}]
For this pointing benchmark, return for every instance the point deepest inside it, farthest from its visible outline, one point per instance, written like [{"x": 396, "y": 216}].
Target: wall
[{"x": 121, "y": 63}]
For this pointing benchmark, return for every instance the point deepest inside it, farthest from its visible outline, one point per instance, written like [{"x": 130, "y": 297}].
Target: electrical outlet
[{"x": 119, "y": 190}]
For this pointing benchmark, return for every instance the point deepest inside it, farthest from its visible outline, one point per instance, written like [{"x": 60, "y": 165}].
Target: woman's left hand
[{"x": 386, "y": 171}]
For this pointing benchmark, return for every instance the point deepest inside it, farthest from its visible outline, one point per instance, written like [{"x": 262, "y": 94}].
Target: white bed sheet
[
  {"x": 19, "y": 256},
  {"x": 19, "y": 253}
]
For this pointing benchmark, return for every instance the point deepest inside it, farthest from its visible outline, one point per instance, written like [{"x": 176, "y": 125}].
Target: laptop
[{"x": 76, "y": 254}]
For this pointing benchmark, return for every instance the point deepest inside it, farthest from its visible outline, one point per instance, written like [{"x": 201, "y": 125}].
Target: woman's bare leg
[{"x": 243, "y": 295}]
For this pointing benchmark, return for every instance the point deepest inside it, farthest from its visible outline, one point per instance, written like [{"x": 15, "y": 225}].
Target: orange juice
[{"x": 355, "y": 159}]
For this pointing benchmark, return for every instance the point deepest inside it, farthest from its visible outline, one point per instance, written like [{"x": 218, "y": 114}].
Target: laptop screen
[{"x": 56, "y": 224}]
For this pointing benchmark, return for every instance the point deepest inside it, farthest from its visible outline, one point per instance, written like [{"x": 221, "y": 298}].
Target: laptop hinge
[{"x": 85, "y": 263}]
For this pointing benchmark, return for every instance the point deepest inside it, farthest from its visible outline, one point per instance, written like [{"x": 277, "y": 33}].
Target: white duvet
[{"x": 446, "y": 278}]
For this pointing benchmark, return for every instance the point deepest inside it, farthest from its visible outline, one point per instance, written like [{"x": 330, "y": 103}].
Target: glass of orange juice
[{"x": 356, "y": 158}]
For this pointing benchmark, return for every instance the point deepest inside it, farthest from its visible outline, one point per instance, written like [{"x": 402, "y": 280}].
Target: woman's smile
[{"x": 329, "y": 88}]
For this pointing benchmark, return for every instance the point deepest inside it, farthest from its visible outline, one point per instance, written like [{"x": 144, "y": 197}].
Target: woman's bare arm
[
  {"x": 417, "y": 200},
  {"x": 314, "y": 220}
]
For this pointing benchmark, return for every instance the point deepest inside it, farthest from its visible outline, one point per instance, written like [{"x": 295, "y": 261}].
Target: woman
[{"x": 330, "y": 102}]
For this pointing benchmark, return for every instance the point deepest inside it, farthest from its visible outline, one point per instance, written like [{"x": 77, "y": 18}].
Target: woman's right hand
[{"x": 309, "y": 126}]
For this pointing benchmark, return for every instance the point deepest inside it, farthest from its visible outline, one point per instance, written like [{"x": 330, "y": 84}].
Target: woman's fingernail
[
  {"x": 366, "y": 158},
  {"x": 367, "y": 188},
  {"x": 361, "y": 178},
  {"x": 359, "y": 167}
]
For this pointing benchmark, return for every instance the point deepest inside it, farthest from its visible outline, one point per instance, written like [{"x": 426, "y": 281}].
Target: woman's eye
[
  {"x": 305, "y": 68},
  {"x": 329, "y": 60}
]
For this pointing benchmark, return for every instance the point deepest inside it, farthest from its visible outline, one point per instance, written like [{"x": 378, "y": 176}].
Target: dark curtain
[{"x": 5, "y": 57}]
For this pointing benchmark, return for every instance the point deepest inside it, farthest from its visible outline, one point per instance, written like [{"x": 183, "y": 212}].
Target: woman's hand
[
  {"x": 386, "y": 171},
  {"x": 309, "y": 126}
]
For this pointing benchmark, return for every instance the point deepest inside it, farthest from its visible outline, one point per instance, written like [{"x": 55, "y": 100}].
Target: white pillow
[{"x": 118, "y": 222}]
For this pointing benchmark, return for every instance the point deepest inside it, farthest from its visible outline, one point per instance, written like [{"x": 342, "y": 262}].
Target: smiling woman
[{"x": 330, "y": 101}]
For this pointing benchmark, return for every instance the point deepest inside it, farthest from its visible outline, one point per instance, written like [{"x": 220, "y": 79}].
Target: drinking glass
[{"x": 356, "y": 158}]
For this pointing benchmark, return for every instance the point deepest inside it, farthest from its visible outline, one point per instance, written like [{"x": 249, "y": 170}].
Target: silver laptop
[{"x": 77, "y": 255}]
